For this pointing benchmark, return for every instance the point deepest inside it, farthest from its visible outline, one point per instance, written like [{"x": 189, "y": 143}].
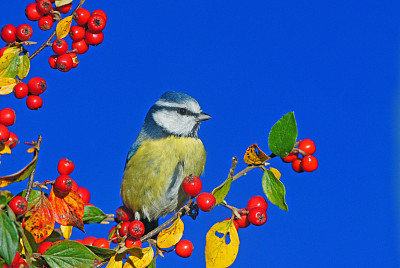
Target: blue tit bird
[{"x": 166, "y": 150}]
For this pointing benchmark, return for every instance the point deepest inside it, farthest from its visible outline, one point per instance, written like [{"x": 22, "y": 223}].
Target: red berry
[
  {"x": 123, "y": 231},
  {"x": 18, "y": 204},
  {"x": 133, "y": 242},
  {"x": 81, "y": 16},
  {"x": 44, "y": 6},
  {"x": 96, "y": 23},
  {"x": 24, "y": 32},
  {"x": 206, "y": 201},
  {"x": 88, "y": 240},
  {"x": 80, "y": 47},
  {"x": 192, "y": 185},
  {"x": 2, "y": 51},
  {"x": 12, "y": 140},
  {"x": 84, "y": 194},
  {"x": 94, "y": 39},
  {"x": 101, "y": 243},
  {"x": 235, "y": 223},
  {"x": 74, "y": 58},
  {"x": 46, "y": 23},
  {"x": 65, "y": 8},
  {"x": 4, "y": 133},
  {"x": 64, "y": 63},
  {"x": 37, "y": 86},
  {"x": 101, "y": 13},
  {"x": 124, "y": 214},
  {"x": 79, "y": 241},
  {"x": 136, "y": 229},
  {"x": 53, "y": 61},
  {"x": 44, "y": 246},
  {"x": 60, "y": 46},
  {"x": 34, "y": 102},
  {"x": 309, "y": 163},
  {"x": 290, "y": 157},
  {"x": 63, "y": 183},
  {"x": 21, "y": 90},
  {"x": 184, "y": 248},
  {"x": 32, "y": 12},
  {"x": 296, "y": 165},
  {"x": 9, "y": 33},
  {"x": 257, "y": 201},
  {"x": 77, "y": 33},
  {"x": 307, "y": 146},
  {"x": 65, "y": 166},
  {"x": 7, "y": 117},
  {"x": 74, "y": 186},
  {"x": 244, "y": 221},
  {"x": 257, "y": 216}
]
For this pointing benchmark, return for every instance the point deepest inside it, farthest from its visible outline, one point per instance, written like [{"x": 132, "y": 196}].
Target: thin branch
[
  {"x": 234, "y": 163},
  {"x": 30, "y": 183},
  {"x": 47, "y": 42},
  {"x": 247, "y": 169}
]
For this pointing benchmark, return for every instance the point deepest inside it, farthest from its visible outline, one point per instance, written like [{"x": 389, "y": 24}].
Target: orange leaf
[
  {"x": 40, "y": 219},
  {"x": 68, "y": 209},
  {"x": 254, "y": 155}
]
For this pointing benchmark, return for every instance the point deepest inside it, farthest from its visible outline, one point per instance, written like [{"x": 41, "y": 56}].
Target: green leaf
[
  {"x": 69, "y": 254},
  {"x": 3, "y": 200},
  {"x": 152, "y": 264},
  {"x": 24, "y": 66},
  {"x": 2, "y": 262},
  {"x": 9, "y": 238},
  {"x": 93, "y": 215},
  {"x": 60, "y": 3},
  {"x": 10, "y": 67},
  {"x": 34, "y": 194},
  {"x": 7, "y": 194},
  {"x": 102, "y": 253},
  {"x": 222, "y": 191},
  {"x": 283, "y": 135},
  {"x": 274, "y": 189},
  {"x": 54, "y": 237},
  {"x": 29, "y": 243}
]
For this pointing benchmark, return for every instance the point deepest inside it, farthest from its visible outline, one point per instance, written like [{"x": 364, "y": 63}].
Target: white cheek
[{"x": 173, "y": 122}]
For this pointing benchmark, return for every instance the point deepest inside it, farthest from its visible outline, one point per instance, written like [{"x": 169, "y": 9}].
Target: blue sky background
[{"x": 334, "y": 63}]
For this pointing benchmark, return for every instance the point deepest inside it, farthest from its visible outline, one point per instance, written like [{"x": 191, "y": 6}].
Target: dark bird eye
[{"x": 182, "y": 111}]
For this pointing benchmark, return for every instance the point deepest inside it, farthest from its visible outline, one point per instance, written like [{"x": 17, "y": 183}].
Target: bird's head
[{"x": 177, "y": 114}]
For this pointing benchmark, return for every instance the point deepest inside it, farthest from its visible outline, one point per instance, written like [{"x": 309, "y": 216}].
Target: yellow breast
[{"x": 155, "y": 168}]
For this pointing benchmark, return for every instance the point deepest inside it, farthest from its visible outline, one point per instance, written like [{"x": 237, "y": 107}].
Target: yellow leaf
[
  {"x": 31, "y": 150},
  {"x": 60, "y": 3},
  {"x": 6, "y": 150},
  {"x": 276, "y": 172},
  {"x": 254, "y": 155},
  {"x": 63, "y": 27},
  {"x": 171, "y": 235},
  {"x": 7, "y": 85},
  {"x": 136, "y": 262},
  {"x": 21, "y": 242},
  {"x": 66, "y": 231},
  {"x": 116, "y": 261},
  {"x": 218, "y": 253}
]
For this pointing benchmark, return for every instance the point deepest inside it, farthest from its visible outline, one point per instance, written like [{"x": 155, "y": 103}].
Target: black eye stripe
[{"x": 182, "y": 111}]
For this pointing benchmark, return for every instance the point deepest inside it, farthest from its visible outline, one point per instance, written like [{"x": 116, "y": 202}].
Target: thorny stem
[
  {"x": 30, "y": 183},
  {"x": 47, "y": 42}
]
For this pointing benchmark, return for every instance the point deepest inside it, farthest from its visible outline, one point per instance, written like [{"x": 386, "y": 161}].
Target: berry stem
[
  {"x": 35, "y": 154},
  {"x": 48, "y": 41}
]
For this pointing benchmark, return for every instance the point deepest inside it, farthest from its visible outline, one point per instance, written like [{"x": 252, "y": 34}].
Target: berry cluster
[
  {"x": 88, "y": 31},
  {"x": 10, "y": 33},
  {"x": 302, "y": 158},
  {"x": 7, "y": 118},
  {"x": 64, "y": 184},
  {"x": 35, "y": 87},
  {"x": 129, "y": 229}
]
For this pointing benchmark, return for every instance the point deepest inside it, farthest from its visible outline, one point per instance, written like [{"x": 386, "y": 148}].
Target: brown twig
[
  {"x": 47, "y": 42},
  {"x": 32, "y": 175},
  {"x": 180, "y": 213}
]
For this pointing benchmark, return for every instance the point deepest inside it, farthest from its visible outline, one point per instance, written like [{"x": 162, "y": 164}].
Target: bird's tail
[{"x": 149, "y": 225}]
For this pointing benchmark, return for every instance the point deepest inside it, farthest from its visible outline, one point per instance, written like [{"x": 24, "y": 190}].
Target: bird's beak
[{"x": 203, "y": 117}]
